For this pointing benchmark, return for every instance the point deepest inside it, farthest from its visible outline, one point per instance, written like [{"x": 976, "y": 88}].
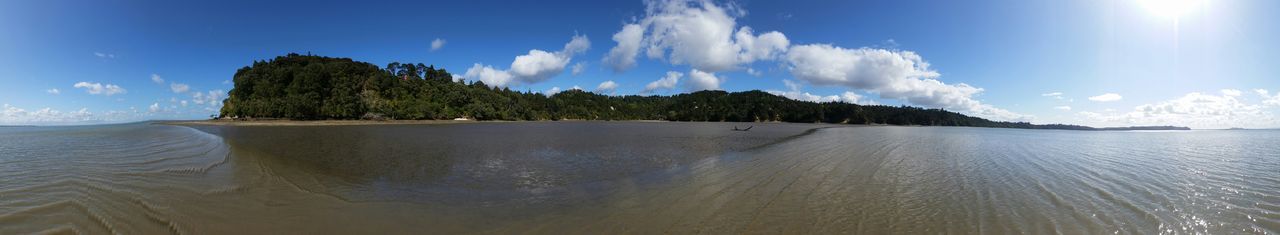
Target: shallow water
[{"x": 610, "y": 177}]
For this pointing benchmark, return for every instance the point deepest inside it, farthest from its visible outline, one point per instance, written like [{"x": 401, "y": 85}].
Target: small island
[{"x": 310, "y": 87}]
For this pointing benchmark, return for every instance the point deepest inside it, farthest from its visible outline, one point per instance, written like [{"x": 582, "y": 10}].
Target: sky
[{"x": 1197, "y": 63}]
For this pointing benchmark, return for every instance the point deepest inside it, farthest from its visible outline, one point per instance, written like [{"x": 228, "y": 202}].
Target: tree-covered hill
[{"x": 307, "y": 87}]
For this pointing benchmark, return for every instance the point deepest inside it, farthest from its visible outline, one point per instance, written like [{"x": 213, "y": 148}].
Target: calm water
[{"x": 610, "y": 177}]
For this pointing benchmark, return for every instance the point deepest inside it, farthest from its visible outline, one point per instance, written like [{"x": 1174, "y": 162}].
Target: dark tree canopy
[{"x": 306, "y": 87}]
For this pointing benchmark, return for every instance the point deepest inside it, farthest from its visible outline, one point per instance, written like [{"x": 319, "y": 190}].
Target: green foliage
[{"x": 306, "y": 87}]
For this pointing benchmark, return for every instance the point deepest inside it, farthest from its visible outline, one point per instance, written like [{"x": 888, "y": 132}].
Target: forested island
[{"x": 309, "y": 87}]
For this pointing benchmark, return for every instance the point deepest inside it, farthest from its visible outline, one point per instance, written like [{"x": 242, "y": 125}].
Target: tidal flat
[{"x": 633, "y": 177}]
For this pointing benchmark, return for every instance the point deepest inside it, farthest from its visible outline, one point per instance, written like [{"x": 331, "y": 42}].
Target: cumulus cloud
[
  {"x": 623, "y": 56},
  {"x": 437, "y": 44},
  {"x": 154, "y": 108},
  {"x": 855, "y": 98},
  {"x": 179, "y": 87},
  {"x": 705, "y": 36},
  {"x": 700, "y": 34},
  {"x": 1063, "y": 108},
  {"x": 100, "y": 89},
  {"x": 700, "y": 81},
  {"x": 892, "y": 74},
  {"x": 534, "y": 67},
  {"x": 1196, "y": 110},
  {"x": 607, "y": 87},
  {"x": 53, "y": 91},
  {"x": 157, "y": 79},
  {"x": 667, "y": 82}
]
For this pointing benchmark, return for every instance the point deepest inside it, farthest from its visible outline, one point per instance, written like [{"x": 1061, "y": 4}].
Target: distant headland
[{"x": 309, "y": 87}]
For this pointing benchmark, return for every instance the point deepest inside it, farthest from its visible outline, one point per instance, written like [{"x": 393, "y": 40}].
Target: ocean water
[{"x": 634, "y": 177}]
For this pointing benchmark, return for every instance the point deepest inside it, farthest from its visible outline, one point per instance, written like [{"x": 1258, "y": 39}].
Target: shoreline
[
  {"x": 287, "y": 122},
  {"x": 282, "y": 122}
]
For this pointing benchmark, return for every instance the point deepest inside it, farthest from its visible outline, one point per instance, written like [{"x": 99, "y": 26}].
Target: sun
[{"x": 1171, "y": 8}]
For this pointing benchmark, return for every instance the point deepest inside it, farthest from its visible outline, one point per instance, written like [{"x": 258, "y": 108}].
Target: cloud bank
[
  {"x": 1196, "y": 109},
  {"x": 705, "y": 36}
]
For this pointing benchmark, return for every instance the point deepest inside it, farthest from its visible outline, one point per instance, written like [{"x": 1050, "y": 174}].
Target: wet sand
[{"x": 632, "y": 177}]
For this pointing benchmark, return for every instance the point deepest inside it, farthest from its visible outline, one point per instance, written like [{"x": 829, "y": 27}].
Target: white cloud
[
  {"x": 1196, "y": 110},
  {"x": 623, "y": 56},
  {"x": 854, "y": 98},
  {"x": 699, "y": 81},
  {"x": 552, "y": 91},
  {"x": 534, "y": 67},
  {"x": 14, "y": 115},
  {"x": 53, "y": 91},
  {"x": 575, "y": 87},
  {"x": 1108, "y": 97},
  {"x": 754, "y": 72},
  {"x": 538, "y": 65},
  {"x": 1232, "y": 92},
  {"x": 154, "y": 108},
  {"x": 157, "y": 79},
  {"x": 794, "y": 92},
  {"x": 697, "y": 33},
  {"x": 667, "y": 82},
  {"x": 179, "y": 87},
  {"x": 212, "y": 98},
  {"x": 1063, "y": 108},
  {"x": 100, "y": 89},
  {"x": 577, "y": 45},
  {"x": 437, "y": 44},
  {"x": 488, "y": 75},
  {"x": 607, "y": 87},
  {"x": 1055, "y": 95},
  {"x": 901, "y": 75},
  {"x": 104, "y": 55},
  {"x": 705, "y": 36},
  {"x": 577, "y": 68},
  {"x": 1267, "y": 98},
  {"x": 184, "y": 103}
]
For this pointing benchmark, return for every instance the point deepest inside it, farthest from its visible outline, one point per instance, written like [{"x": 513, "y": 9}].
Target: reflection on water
[{"x": 610, "y": 177}]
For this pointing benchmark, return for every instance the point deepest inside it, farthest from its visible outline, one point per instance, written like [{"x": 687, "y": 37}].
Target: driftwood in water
[{"x": 747, "y": 129}]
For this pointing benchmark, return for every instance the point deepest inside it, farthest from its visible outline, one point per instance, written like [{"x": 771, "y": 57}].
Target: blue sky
[{"x": 1199, "y": 63}]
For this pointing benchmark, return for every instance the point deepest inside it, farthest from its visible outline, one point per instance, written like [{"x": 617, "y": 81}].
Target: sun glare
[{"x": 1171, "y": 8}]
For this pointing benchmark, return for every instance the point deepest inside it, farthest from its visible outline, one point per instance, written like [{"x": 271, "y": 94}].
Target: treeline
[{"x": 307, "y": 87}]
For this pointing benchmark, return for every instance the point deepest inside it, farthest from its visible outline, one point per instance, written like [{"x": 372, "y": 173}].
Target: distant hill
[{"x": 307, "y": 87}]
